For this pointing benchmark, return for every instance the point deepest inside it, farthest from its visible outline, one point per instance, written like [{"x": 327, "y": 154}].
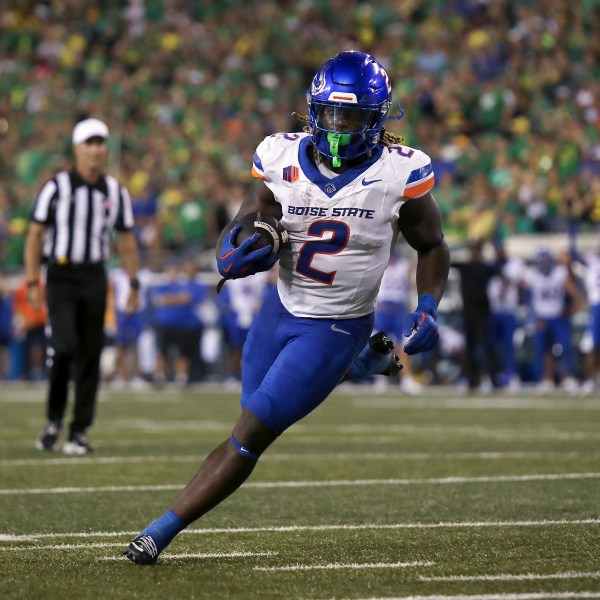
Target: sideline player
[
  {"x": 344, "y": 190},
  {"x": 549, "y": 283},
  {"x": 591, "y": 263}
]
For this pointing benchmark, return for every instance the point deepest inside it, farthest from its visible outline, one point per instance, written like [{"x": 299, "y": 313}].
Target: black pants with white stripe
[{"x": 76, "y": 297}]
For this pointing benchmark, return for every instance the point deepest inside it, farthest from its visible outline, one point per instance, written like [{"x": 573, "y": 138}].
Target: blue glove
[
  {"x": 421, "y": 327},
  {"x": 236, "y": 262}
]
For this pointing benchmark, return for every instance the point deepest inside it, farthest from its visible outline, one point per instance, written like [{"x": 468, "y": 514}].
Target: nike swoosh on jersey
[
  {"x": 365, "y": 182},
  {"x": 335, "y": 328}
]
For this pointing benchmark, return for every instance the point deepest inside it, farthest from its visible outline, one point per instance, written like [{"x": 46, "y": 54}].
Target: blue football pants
[{"x": 291, "y": 364}]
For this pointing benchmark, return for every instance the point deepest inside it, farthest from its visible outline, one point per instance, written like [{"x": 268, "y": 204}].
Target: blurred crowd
[
  {"x": 518, "y": 325},
  {"x": 182, "y": 333},
  {"x": 502, "y": 94}
]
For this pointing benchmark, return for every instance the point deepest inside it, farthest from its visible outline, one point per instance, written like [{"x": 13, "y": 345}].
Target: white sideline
[
  {"x": 336, "y": 566},
  {"x": 310, "y": 484},
  {"x": 509, "y": 577},
  {"x": 298, "y": 528},
  {"x": 116, "y": 460}
]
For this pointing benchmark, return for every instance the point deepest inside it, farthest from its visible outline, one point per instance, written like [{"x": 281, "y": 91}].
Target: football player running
[{"x": 344, "y": 189}]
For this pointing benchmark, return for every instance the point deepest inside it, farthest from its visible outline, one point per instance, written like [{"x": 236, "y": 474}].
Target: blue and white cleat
[{"x": 142, "y": 551}]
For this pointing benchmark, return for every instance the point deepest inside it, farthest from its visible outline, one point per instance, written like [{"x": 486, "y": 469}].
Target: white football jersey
[
  {"x": 592, "y": 278},
  {"x": 246, "y": 296},
  {"x": 120, "y": 281},
  {"x": 503, "y": 297},
  {"x": 504, "y": 294},
  {"x": 341, "y": 229},
  {"x": 395, "y": 283},
  {"x": 548, "y": 292}
]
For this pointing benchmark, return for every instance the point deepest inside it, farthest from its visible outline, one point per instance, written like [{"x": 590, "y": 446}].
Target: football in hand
[{"x": 269, "y": 228}]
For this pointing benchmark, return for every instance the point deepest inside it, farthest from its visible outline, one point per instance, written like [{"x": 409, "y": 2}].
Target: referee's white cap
[{"x": 84, "y": 130}]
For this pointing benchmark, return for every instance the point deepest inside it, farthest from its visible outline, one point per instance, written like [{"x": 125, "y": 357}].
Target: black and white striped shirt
[{"x": 79, "y": 217}]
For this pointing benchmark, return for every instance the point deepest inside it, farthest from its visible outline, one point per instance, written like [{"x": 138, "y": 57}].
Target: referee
[{"x": 70, "y": 224}]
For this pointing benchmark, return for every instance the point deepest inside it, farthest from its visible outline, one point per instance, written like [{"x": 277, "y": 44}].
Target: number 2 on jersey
[{"x": 336, "y": 241}]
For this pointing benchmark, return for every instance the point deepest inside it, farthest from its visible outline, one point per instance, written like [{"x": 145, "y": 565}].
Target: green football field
[{"x": 372, "y": 496}]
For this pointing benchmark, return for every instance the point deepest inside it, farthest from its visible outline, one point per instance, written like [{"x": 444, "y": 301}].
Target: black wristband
[
  {"x": 32, "y": 283},
  {"x": 134, "y": 283}
]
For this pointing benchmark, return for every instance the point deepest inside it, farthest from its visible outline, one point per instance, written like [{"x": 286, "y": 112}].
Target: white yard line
[
  {"x": 481, "y": 403},
  {"x": 9, "y": 538},
  {"x": 353, "y": 456},
  {"x": 337, "y": 566},
  {"x": 373, "y": 440},
  {"x": 84, "y": 546},
  {"x": 344, "y": 438},
  {"x": 308, "y": 484},
  {"x": 159, "y": 426},
  {"x": 432, "y": 395},
  {"x": 492, "y": 431},
  {"x": 349, "y": 435},
  {"x": 386, "y": 439},
  {"x": 168, "y": 556},
  {"x": 509, "y": 596},
  {"x": 518, "y": 577}
]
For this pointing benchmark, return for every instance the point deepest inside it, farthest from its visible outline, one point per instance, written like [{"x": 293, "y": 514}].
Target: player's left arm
[{"x": 421, "y": 225}]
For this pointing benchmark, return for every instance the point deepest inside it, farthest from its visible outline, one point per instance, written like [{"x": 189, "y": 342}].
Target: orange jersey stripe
[
  {"x": 419, "y": 190},
  {"x": 255, "y": 173}
]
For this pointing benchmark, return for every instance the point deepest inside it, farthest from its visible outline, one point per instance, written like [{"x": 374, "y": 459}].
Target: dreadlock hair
[{"x": 387, "y": 139}]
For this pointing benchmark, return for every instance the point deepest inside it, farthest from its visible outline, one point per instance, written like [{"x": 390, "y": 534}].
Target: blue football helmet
[{"x": 348, "y": 102}]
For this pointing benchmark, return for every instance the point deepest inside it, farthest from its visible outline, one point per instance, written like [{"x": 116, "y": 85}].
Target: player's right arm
[
  {"x": 239, "y": 261},
  {"x": 234, "y": 262}
]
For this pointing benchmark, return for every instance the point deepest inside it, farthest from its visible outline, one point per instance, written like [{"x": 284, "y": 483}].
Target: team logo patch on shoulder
[{"x": 290, "y": 173}]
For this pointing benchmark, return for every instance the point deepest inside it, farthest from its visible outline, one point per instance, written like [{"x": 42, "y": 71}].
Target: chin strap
[{"x": 335, "y": 141}]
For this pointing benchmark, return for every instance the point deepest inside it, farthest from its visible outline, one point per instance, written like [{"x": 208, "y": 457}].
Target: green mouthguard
[{"x": 335, "y": 141}]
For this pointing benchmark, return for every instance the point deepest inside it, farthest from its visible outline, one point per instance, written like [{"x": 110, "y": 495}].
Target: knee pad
[{"x": 243, "y": 450}]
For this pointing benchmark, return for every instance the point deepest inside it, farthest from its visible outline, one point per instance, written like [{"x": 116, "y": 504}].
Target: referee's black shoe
[
  {"x": 49, "y": 439},
  {"x": 142, "y": 551}
]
